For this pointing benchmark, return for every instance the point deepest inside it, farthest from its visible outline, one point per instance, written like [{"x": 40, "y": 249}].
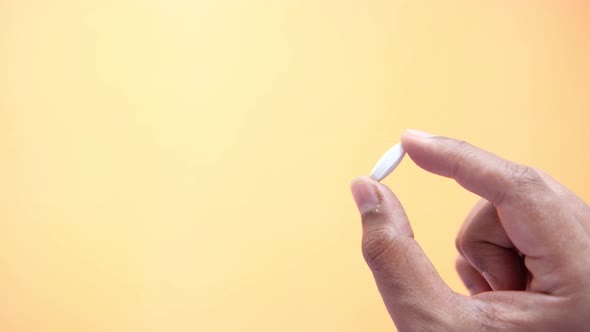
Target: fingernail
[
  {"x": 419, "y": 133},
  {"x": 366, "y": 194}
]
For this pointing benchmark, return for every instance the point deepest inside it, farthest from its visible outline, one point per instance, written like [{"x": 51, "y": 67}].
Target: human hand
[{"x": 524, "y": 248}]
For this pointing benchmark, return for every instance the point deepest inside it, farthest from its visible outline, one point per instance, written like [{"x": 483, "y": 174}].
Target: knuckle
[
  {"x": 473, "y": 247},
  {"x": 479, "y": 254},
  {"x": 524, "y": 175},
  {"x": 521, "y": 180},
  {"x": 473, "y": 238},
  {"x": 375, "y": 246},
  {"x": 463, "y": 145}
]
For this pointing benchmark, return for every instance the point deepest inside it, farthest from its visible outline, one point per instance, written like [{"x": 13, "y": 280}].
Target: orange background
[{"x": 184, "y": 165}]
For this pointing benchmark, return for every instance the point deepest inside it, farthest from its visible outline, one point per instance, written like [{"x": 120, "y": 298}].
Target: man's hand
[{"x": 524, "y": 248}]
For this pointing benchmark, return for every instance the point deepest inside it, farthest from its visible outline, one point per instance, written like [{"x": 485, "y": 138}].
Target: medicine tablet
[{"x": 388, "y": 162}]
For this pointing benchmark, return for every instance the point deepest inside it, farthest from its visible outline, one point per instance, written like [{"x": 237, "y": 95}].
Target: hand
[{"x": 524, "y": 248}]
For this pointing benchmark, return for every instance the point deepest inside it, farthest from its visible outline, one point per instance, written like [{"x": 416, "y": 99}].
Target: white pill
[{"x": 388, "y": 162}]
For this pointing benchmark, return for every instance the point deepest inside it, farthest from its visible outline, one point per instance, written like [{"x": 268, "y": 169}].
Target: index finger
[{"x": 533, "y": 216}]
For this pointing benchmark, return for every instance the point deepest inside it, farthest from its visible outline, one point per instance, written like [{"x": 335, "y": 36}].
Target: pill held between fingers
[{"x": 388, "y": 162}]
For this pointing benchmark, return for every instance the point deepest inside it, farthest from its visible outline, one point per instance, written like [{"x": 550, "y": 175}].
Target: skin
[{"x": 524, "y": 249}]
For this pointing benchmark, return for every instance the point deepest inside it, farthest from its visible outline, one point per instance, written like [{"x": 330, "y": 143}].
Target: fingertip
[
  {"x": 360, "y": 179},
  {"x": 415, "y": 141},
  {"x": 365, "y": 193}
]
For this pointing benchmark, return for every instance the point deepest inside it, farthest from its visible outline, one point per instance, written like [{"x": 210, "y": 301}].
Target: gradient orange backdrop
[{"x": 184, "y": 165}]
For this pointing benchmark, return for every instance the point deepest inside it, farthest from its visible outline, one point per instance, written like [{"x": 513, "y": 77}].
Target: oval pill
[{"x": 388, "y": 162}]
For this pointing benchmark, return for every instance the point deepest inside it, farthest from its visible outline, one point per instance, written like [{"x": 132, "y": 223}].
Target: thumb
[{"x": 415, "y": 295}]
